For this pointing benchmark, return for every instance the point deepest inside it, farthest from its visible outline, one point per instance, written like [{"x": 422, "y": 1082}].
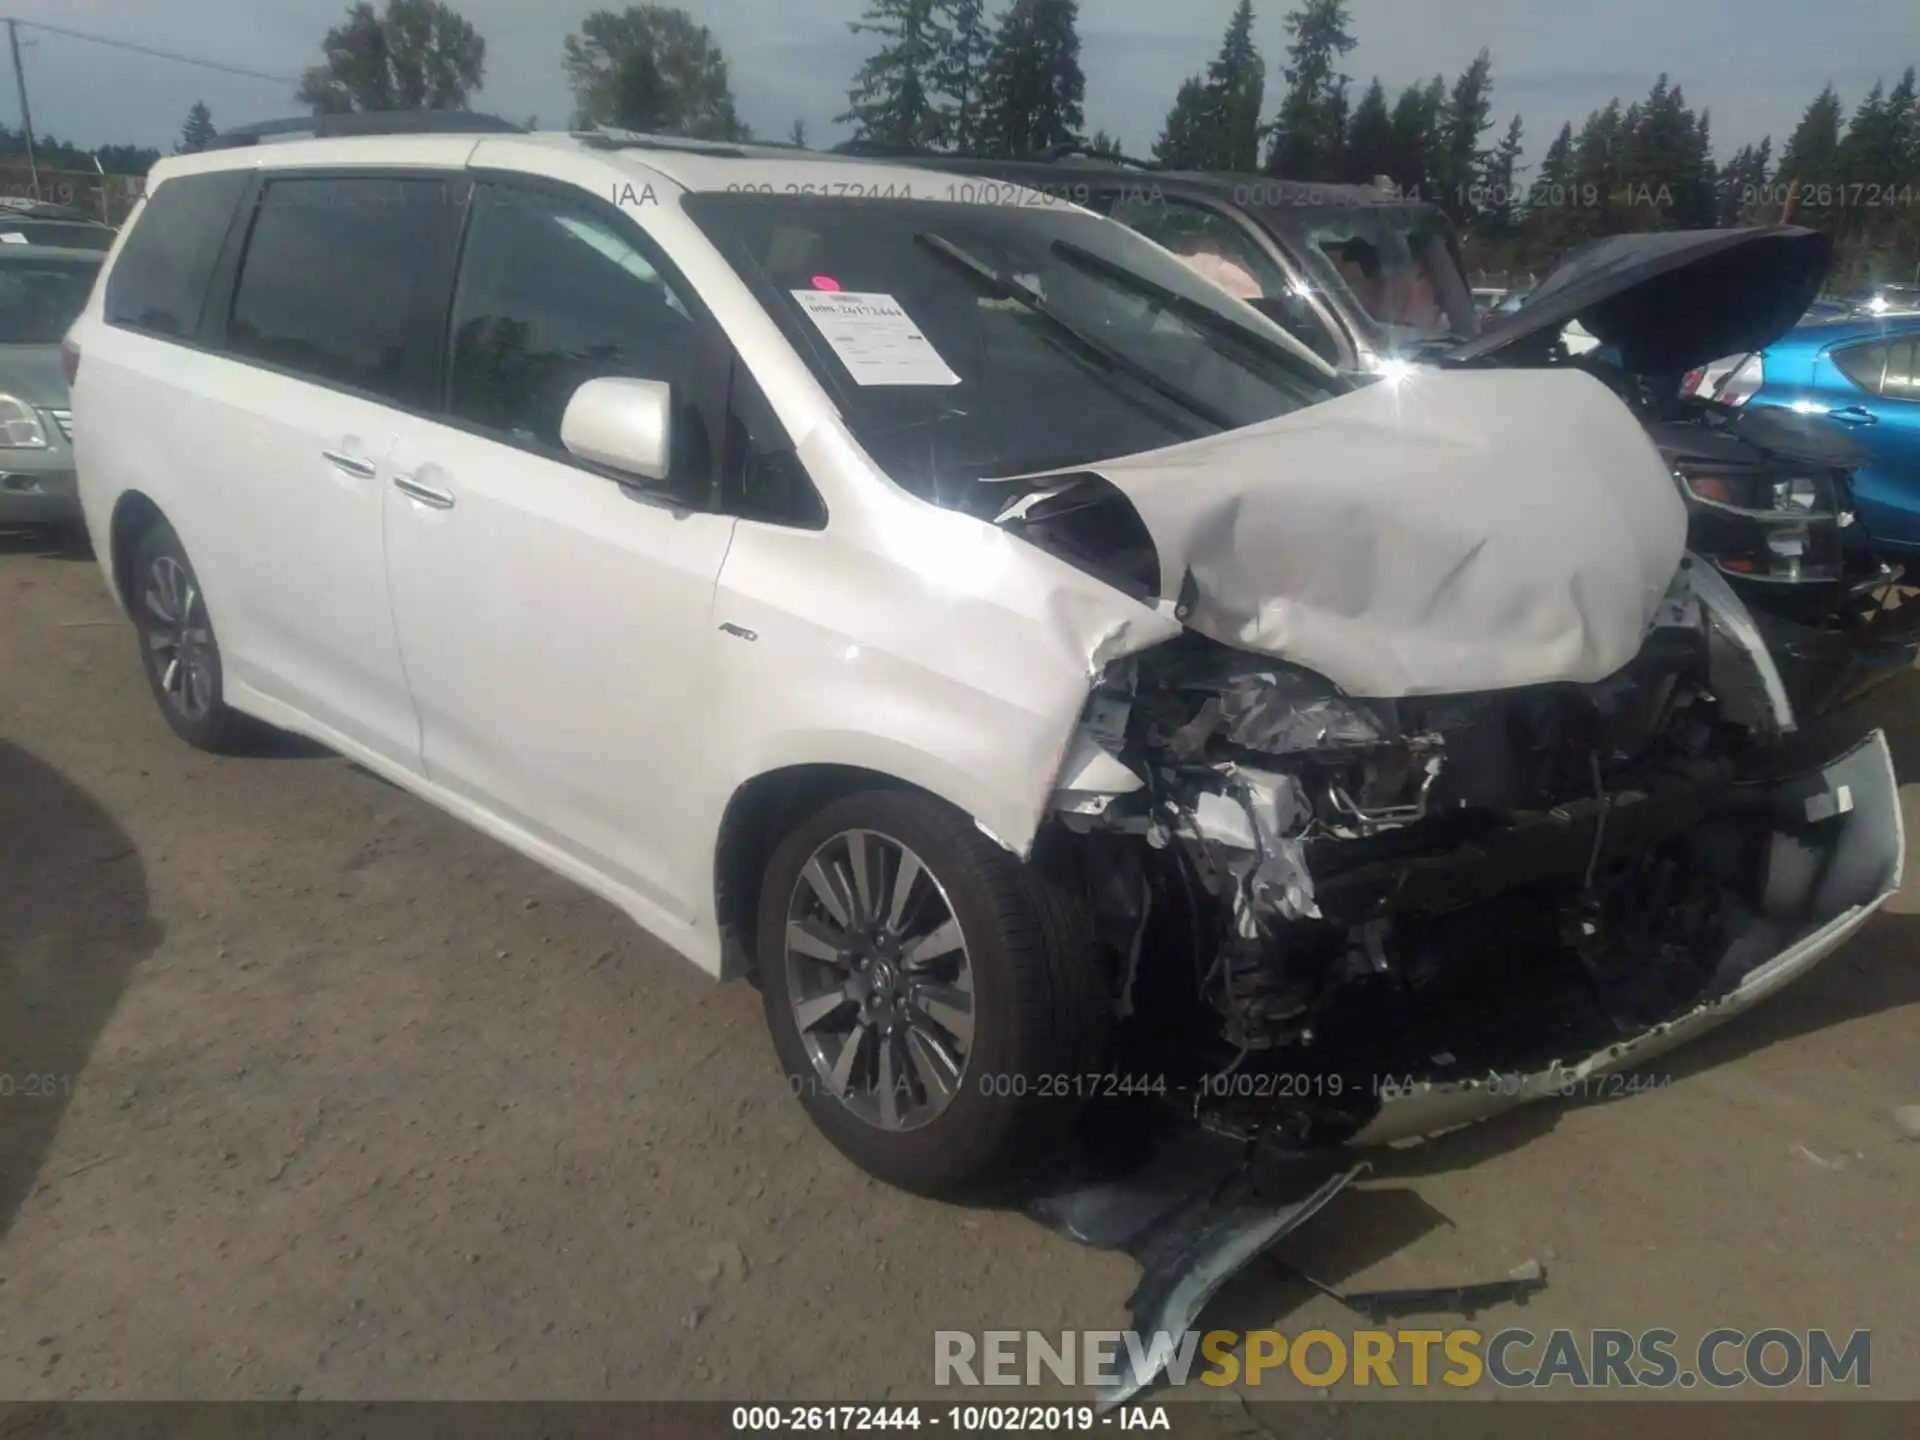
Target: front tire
[
  {"x": 938, "y": 1006},
  {"x": 178, "y": 648}
]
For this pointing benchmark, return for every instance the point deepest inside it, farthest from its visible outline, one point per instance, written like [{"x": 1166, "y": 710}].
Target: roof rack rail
[
  {"x": 1052, "y": 155},
  {"x": 366, "y": 122},
  {"x": 612, "y": 137},
  {"x": 1073, "y": 149},
  {"x": 882, "y": 150}
]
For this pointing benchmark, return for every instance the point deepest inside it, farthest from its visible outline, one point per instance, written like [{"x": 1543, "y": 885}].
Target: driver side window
[{"x": 553, "y": 293}]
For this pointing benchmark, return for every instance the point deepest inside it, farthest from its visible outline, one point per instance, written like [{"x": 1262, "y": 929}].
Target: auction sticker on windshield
[{"x": 874, "y": 338}]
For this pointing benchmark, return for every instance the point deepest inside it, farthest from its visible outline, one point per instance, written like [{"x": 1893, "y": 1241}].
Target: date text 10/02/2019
[{"x": 957, "y": 1419}]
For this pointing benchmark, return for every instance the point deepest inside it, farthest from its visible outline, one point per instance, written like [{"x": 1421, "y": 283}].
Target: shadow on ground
[{"x": 74, "y": 922}]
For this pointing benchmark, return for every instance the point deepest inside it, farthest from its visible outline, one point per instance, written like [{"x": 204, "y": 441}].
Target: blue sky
[{"x": 1755, "y": 63}]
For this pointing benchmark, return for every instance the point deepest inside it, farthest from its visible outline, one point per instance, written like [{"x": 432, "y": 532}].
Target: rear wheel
[
  {"x": 937, "y": 1004},
  {"x": 178, "y": 647}
]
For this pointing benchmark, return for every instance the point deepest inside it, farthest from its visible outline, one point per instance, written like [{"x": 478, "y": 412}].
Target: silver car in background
[{"x": 42, "y": 289}]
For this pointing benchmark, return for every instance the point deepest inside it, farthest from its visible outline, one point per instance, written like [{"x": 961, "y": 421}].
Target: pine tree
[
  {"x": 1904, "y": 105},
  {"x": 894, "y": 97},
  {"x": 1215, "y": 120},
  {"x": 1695, "y": 203},
  {"x": 1495, "y": 214},
  {"x": 1034, "y": 91},
  {"x": 1468, "y": 116},
  {"x": 1743, "y": 183},
  {"x": 797, "y": 136},
  {"x": 960, "y": 70},
  {"x": 198, "y": 131},
  {"x": 1183, "y": 139},
  {"x": 1106, "y": 146},
  {"x": 1370, "y": 151},
  {"x": 1556, "y": 166},
  {"x": 1416, "y": 137},
  {"x": 1811, "y": 157},
  {"x": 1873, "y": 154},
  {"x": 1236, "y": 89},
  {"x": 1311, "y": 127}
]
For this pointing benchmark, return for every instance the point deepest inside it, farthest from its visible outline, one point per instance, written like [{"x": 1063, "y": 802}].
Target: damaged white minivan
[{"x": 1052, "y": 681}]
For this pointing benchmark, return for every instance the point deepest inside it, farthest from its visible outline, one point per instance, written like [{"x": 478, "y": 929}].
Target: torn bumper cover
[
  {"x": 1808, "y": 910},
  {"x": 1351, "y": 921}
]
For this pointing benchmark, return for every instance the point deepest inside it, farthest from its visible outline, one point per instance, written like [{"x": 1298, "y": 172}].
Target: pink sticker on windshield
[{"x": 827, "y": 283}]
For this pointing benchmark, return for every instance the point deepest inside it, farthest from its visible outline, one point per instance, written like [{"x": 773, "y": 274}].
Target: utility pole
[{"x": 26, "y": 116}]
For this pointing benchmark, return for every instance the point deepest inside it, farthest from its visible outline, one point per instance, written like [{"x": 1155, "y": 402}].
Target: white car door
[
  {"x": 556, "y": 624},
  {"x": 321, "y": 349}
]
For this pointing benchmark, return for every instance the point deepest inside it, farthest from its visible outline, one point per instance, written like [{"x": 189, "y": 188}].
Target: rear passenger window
[
  {"x": 555, "y": 292},
  {"x": 1903, "y": 372},
  {"x": 1864, "y": 365},
  {"x": 328, "y": 282},
  {"x": 159, "y": 283}
]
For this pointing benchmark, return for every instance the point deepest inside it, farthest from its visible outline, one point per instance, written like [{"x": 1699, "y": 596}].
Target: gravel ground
[{"x": 313, "y": 1092}]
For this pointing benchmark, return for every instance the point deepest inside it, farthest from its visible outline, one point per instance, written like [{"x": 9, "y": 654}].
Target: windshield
[
  {"x": 1394, "y": 263},
  {"x": 966, "y": 342},
  {"x": 40, "y": 298}
]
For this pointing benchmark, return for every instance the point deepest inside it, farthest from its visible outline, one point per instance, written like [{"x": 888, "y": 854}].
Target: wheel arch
[
  {"x": 760, "y": 813},
  {"x": 134, "y": 514}
]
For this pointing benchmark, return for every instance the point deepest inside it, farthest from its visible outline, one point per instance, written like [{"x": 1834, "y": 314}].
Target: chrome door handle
[
  {"x": 425, "y": 494},
  {"x": 351, "y": 464}
]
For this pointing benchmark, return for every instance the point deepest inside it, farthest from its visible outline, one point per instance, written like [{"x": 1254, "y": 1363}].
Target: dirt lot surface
[{"x": 311, "y": 1091}]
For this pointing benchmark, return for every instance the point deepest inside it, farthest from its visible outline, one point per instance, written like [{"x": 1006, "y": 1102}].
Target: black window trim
[{"x": 217, "y": 314}]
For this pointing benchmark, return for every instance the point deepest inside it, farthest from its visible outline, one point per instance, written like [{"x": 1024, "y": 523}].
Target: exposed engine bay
[{"x": 1322, "y": 908}]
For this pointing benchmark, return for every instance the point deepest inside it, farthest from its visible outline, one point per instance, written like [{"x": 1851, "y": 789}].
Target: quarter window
[
  {"x": 1902, "y": 380},
  {"x": 1864, "y": 365},
  {"x": 328, "y": 283},
  {"x": 159, "y": 282}
]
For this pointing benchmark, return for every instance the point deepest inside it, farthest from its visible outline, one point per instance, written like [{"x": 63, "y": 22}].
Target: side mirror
[{"x": 624, "y": 424}]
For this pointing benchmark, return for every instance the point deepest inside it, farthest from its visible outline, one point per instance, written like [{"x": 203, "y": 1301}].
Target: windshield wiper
[
  {"x": 1102, "y": 354},
  {"x": 1192, "y": 311}
]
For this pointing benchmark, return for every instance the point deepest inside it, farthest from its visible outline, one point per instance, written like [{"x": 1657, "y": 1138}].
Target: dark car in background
[
  {"x": 1361, "y": 274},
  {"x": 26, "y": 221},
  {"x": 1780, "y": 496},
  {"x": 1372, "y": 281}
]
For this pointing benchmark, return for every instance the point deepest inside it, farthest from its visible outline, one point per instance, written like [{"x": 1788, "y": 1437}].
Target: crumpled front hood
[{"x": 1462, "y": 531}]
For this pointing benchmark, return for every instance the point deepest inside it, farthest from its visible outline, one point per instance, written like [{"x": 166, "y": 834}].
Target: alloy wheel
[
  {"x": 179, "y": 641},
  {"x": 880, "y": 980}
]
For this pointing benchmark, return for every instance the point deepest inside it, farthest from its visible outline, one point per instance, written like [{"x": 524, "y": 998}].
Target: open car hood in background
[{"x": 1667, "y": 300}]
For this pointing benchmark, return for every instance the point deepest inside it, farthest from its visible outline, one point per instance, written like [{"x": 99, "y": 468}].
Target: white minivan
[{"x": 1054, "y": 684}]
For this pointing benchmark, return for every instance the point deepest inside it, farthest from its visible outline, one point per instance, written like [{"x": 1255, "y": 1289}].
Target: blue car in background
[{"x": 1863, "y": 373}]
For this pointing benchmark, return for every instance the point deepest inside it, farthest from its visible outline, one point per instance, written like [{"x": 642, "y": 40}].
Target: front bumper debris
[
  {"x": 1862, "y": 873},
  {"x": 1194, "y": 1217}
]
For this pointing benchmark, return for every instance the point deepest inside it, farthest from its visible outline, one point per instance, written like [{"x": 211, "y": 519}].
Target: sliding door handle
[
  {"x": 425, "y": 494},
  {"x": 349, "y": 464}
]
